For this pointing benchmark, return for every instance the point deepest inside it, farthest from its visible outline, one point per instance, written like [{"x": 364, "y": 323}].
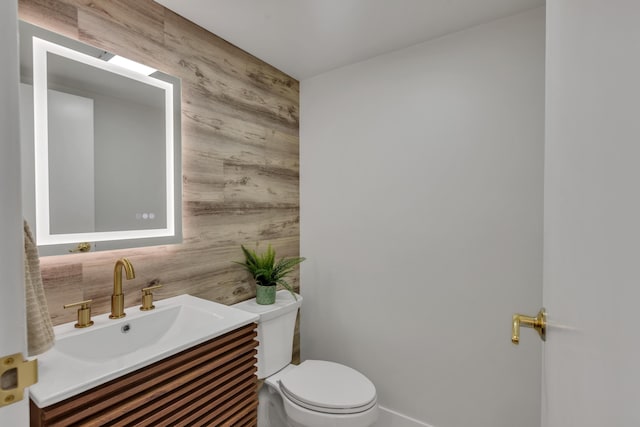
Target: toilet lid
[{"x": 328, "y": 387}]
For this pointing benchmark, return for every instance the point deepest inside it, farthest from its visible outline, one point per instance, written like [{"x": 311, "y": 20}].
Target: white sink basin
[
  {"x": 126, "y": 335},
  {"x": 84, "y": 358}
]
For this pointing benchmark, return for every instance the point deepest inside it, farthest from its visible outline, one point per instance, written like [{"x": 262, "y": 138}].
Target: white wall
[
  {"x": 592, "y": 213},
  {"x": 130, "y": 164},
  {"x": 71, "y": 169},
  {"x": 71, "y": 161},
  {"x": 421, "y": 218},
  {"x": 12, "y": 312}
]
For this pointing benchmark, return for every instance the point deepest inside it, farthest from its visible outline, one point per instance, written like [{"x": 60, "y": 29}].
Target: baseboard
[{"x": 390, "y": 418}]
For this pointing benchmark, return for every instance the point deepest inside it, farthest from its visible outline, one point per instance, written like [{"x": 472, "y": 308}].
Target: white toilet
[{"x": 315, "y": 393}]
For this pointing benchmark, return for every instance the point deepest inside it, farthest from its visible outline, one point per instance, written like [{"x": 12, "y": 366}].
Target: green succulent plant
[{"x": 265, "y": 270}]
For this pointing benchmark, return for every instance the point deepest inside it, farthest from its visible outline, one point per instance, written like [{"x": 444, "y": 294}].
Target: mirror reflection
[{"x": 101, "y": 144}]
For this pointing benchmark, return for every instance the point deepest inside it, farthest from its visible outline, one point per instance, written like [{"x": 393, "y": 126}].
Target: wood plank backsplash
[{"x": 240, "y": 157}]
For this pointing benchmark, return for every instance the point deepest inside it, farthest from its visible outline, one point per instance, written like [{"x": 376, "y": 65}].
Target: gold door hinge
[{"x": 16, "y": 374}]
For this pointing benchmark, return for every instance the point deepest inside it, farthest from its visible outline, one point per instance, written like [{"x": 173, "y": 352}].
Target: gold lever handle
[
  {"x": 539, "y": 323},
  {"x": 82, "y": 247},
  {"x": 84, "y": 313},
  {"x": 147, "y": 298}
]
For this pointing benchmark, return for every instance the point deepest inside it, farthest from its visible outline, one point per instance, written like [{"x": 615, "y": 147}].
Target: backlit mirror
[{"x": 100, "y": 147}]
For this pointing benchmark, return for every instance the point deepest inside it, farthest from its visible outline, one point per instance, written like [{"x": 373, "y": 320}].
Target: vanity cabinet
[{"x": 211, "y": 384}]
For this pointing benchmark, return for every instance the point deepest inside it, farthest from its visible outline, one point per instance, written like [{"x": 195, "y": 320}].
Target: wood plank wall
[{"x": 239, "y": 147}]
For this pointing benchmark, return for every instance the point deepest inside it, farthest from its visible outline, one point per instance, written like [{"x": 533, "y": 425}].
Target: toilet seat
[{"x": 328, "y": 387}]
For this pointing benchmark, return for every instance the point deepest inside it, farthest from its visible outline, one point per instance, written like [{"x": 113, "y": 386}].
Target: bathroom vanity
[
  {"x": 211, "y": 384},
  {"x": 137, "y": 371}
]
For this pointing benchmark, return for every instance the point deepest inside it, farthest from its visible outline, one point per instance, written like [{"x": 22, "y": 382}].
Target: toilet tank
[{"x": 275, "y": 330}]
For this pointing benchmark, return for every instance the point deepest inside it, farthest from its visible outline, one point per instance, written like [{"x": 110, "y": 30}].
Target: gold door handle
[
  {"x": 539, "y": 323},
  {"x": 82, "y": 247}
]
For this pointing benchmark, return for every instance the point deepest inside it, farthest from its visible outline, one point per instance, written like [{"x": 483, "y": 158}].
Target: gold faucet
[{"x": 117, "y": 299}]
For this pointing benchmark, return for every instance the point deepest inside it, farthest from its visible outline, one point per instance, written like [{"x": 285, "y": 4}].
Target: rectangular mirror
[{"x": 101, "y": 147}]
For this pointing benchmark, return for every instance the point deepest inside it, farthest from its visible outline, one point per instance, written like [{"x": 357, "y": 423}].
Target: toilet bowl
[{"x": 316, "y": 393}]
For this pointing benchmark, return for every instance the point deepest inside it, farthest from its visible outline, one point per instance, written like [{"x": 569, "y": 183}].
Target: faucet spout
[{"x": 117, "y": 298}]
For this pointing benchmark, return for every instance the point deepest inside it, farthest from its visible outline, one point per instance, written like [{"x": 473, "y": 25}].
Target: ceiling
[{"x": 305, "y": 38}]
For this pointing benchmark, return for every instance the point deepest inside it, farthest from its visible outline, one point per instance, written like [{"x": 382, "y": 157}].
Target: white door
[
  {"x": 12, "y": 333},
  {"x": 591, "y": 374}
]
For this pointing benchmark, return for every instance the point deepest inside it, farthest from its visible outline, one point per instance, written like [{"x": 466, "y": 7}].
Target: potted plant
[{"x": 268, "y": 273}]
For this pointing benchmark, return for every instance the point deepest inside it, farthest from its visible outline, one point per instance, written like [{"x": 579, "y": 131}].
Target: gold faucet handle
[
  {"x": 84, "y": 313},
  {"x": 147, "y": 298}
]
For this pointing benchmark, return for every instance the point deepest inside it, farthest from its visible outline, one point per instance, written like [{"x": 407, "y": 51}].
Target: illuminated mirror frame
[{"x": 172, "y": 231}]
